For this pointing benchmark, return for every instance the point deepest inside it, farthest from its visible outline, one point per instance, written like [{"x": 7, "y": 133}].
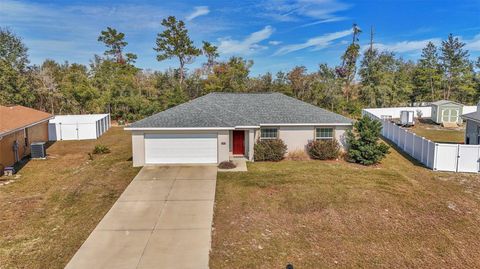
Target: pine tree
[
  {"x": 427, "y": 77},
  {"x": 175, "y": 42},
  {"x": 456, "y": 67},
  {"x": 364, "y": 147},
  {"x": 115, "y": 42},
  {"x": 210, "y": 51}
]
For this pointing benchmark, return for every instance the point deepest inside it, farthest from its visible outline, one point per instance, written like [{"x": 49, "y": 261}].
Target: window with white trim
[
  {"x": 324, "y": 133},
  {"x": 268, "y": 133}
]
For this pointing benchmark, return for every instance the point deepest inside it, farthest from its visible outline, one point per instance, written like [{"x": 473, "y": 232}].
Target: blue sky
[{"x": 276, "y": 34}]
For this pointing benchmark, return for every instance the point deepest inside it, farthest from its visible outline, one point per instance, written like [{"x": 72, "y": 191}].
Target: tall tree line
[{"x": 113, "y": 83}]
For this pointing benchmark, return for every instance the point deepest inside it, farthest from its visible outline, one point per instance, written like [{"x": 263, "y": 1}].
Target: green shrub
[
  {"x": 364, "y": 147},
  {"x": 323, "y": 149},
  {"x": 227, "y": 165},
  {"x": 101, "y": 149},
  {"x": 269, "y": 150}
]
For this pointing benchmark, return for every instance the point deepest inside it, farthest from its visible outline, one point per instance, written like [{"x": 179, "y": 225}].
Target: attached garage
[{"x": 180, "y": 148}]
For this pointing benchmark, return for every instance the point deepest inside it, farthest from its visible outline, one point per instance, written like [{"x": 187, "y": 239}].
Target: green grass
[
  {"x": 317, "y": 214},
  {"x": 439, "y": 134},
  {"x": 310, "y": 213},
  {"x": 54, "y": 204}
]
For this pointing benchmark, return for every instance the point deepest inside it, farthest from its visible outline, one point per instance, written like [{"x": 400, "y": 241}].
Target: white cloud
[
  {"x": 247, "y": 46},
  {"x": 287, "y": 10},
  {"x": 199, "y": 11},
  {"x": 473, "y": 44},
  {"x": 415, "y": 46},
  {"x": 407, "y": 46},
  {"x": 323, "y": 21},
  {"x": 316, "y": 43},
  {"x": 274, "y": 42}
]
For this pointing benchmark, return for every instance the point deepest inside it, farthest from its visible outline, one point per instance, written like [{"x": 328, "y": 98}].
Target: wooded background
[{"x": 364, "y": 77}]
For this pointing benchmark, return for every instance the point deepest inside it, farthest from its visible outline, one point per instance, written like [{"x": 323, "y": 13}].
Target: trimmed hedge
[
  {"x": 226, "y": 165},
  {"x": 270, "y": 150},
  {"x": 323, "y": 149}
]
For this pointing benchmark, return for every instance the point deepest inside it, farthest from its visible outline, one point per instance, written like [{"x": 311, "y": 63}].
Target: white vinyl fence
[
  {"x": 436, "y": 156},
  {"x": 78, "y": 127}
]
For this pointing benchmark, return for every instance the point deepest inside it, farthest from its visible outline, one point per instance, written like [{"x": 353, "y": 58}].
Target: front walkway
[{"x": 162, "y": 220}]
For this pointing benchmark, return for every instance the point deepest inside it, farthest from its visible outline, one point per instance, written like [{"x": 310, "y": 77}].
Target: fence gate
[
  {"x": 468, "y": 158},
  {"x": 68, "y": 132},
  {"x": 446, "y": 157}
]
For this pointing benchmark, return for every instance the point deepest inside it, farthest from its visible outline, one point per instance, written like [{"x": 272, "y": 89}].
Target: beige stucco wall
[
  {"x": 340, "y": 135},
  {"x": 297, "y": 137},
  {"x": 138, "y": 144}
]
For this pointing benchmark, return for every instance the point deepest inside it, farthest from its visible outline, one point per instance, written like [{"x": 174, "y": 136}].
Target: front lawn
[
  {"x": 47, "y": 213},
  {"x": 317, "y": 214}
]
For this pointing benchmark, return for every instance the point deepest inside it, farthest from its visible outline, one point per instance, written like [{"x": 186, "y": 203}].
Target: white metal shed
[{"x": 78, "y": 127}]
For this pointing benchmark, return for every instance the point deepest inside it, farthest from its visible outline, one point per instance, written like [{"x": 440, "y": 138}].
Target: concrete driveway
[{"x": 162, "y": 220}]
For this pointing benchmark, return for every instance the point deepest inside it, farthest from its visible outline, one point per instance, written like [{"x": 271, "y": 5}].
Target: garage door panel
[{"x": 180, "y": 148}]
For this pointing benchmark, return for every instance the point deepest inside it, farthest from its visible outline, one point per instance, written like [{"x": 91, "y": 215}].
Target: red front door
[{"x": 238, "y": 140}]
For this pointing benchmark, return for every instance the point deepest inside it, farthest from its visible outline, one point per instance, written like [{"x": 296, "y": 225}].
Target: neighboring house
[
  {"x": 472, "y": 131},
  {"x": 220, "y": 126},
  {"x": 447, "y": 111},
  {"x": 19, "y": 127}
]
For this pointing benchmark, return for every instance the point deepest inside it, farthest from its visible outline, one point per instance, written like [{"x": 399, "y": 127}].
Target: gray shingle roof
[
  {"x": 473, "y": 116},
  {"x": 443, "y": 102},
  {"x": 240, "y": 109}
]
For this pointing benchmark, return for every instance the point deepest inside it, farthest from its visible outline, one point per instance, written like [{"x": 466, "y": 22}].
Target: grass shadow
[
  {"x": 20, "y": 164},
  {"x": 404, "y": 154}
]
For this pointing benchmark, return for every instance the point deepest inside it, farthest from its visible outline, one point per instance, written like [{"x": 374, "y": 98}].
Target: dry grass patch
[
  {"x": 297, "y": 155},
  {"x": 54, "y": 205},
  {"x": 317, "y": 214},
  {"x": 438, "y": 133}
]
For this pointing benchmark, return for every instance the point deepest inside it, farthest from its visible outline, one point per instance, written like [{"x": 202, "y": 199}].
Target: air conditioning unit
[{"x": 37, "y": 150}]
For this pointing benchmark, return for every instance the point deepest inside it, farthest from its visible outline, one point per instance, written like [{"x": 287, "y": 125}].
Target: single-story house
[
  {"x": 20, "y": 127},
  {"x": 220, "y": 126},
  {"x": 472, "y": 130},
  {"x": 447, "y": 111}
]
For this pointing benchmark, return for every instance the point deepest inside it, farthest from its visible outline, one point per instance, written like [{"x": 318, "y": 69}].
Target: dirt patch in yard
[
  {"x": 317, "y": 214},
  {"x": 54, "y": 204}
]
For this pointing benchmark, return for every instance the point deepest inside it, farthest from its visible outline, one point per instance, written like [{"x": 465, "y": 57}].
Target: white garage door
[{"x": 180, "y": 148}]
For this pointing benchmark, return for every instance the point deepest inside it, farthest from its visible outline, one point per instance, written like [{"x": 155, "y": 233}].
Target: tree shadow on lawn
[{"x": 404, "y": 154}]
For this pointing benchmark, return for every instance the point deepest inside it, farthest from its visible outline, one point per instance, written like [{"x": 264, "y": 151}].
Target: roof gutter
[
  {"x": 177, "y": 128},
  {"x": 24, "y": 127},
  {"x": 306, "y": 124}
]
